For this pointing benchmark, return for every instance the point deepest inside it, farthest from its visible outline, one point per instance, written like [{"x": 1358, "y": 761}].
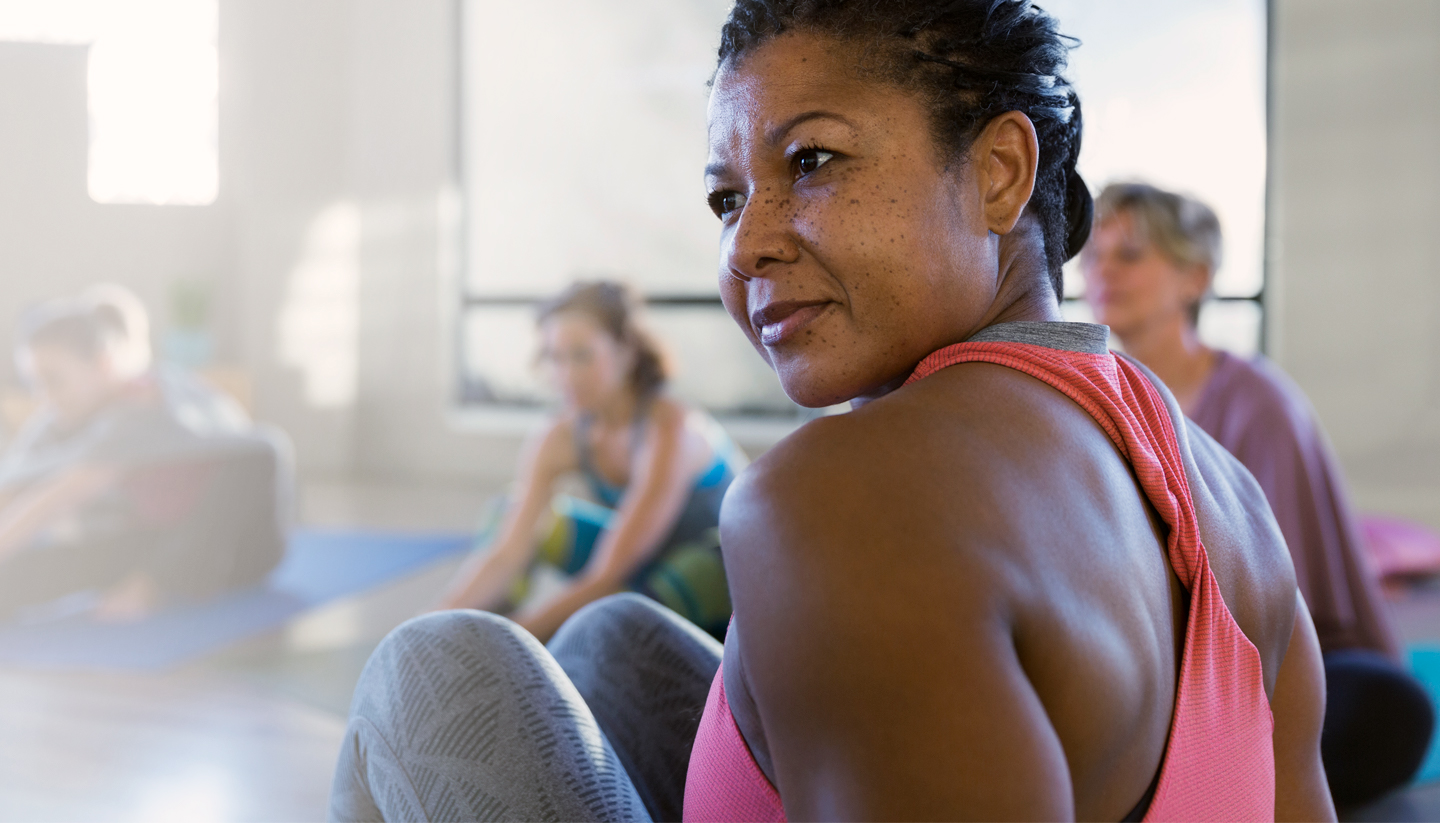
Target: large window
[
  {"x": 1174, "y": 93},
  {"x": 583, "y": 136},
  {"x": 584, "y": 140}
]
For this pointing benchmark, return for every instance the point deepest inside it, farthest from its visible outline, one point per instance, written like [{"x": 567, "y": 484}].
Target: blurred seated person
[
  {"x": 135, "y": 483},
  {"x": 657, "y": 468},
  {"x": 1148, "y": 267}
]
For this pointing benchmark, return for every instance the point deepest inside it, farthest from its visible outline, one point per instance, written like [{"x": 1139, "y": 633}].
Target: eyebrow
[{"x": 778, "y": 133}]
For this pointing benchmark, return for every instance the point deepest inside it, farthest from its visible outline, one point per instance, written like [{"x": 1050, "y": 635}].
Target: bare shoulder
[
  {"x": 873, "y": 554},
  {"x": 666, "y": 435},
  {"x": 668, "y": 414},
  {"x": 550, "y": 450},
  {"x": 939, "y": 468}
]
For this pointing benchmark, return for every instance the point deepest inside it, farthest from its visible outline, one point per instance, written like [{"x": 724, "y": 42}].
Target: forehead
[
  {"x": 1120, "y": 225},
  {"x": 571, "y": 326},
  {"x": 793, "y": 74}
]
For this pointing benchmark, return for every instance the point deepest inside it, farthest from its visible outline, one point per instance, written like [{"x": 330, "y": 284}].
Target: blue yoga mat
[
  {"x": 319, "y": 566},
  {"x": 1425, "y": 663}
]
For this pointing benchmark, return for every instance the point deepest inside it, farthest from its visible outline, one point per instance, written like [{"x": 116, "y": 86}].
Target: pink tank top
[{"x": 1219, "y": 760}]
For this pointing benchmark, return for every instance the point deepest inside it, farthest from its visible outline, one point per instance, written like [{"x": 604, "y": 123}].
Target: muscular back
[{"x": 956, "y": 601}]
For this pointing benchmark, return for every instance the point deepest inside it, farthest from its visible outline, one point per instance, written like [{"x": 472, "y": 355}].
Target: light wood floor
[
  {"x": 191, "y": 746},
  {"x": 248, "y": 734}
]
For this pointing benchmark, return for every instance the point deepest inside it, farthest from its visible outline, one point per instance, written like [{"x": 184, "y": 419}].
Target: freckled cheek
[{"x": 732, "y": 295}]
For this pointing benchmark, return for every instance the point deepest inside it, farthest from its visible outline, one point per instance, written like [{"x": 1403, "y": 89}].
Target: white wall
[
  {"x": 1356, "y": 262},
  {"x": 351, "y": 103},
  {"x": 54, "y": 240}
]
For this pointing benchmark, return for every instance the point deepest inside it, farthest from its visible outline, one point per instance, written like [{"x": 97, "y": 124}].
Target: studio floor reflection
[{"x": 246, "y": 734}]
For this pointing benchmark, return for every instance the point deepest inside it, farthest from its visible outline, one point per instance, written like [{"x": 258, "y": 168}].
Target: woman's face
[
  {"x": 586, "y": 363},
  {"x": 849, "y": 249},
  {"x": 1131, "y": 284},
  {"x": 75, "y": 386}
]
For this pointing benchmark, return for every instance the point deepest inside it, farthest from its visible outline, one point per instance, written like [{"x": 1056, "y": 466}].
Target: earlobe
[{"x": 1009, "y": 154}]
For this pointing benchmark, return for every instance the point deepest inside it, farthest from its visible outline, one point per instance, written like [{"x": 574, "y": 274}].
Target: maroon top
[{"x": 1264, "y": 419}]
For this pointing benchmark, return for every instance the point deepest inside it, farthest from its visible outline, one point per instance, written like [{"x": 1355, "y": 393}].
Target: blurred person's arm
[
  {"x": 28, "y": 513},
  {"x": 483, "y": 582},
  {"x": 653, "y": 501}
]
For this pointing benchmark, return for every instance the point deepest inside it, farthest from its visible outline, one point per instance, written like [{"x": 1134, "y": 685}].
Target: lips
[{"x": 778, "y": 322}]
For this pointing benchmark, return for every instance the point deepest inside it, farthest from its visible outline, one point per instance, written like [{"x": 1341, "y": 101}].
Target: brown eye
[
  {"x": 812, "y": 159},
  {"x": 725, "y": 202}
]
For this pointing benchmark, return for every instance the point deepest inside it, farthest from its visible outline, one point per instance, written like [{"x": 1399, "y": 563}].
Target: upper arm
[
  {"x": 883, "y": 671},
  {"x": 658, "y": 488},
  {"x": 1301, "y": 790},
  {"x": 544, "y": 458}
]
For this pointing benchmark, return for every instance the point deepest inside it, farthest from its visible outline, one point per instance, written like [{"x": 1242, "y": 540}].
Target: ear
[{"x": 1005, "y": 157}]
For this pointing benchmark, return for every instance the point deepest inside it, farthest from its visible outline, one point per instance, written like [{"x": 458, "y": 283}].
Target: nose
[{"x": 763, "y": 237}]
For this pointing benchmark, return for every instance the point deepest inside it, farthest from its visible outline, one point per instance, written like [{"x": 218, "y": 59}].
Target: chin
[{"x": 814, "y": 388}]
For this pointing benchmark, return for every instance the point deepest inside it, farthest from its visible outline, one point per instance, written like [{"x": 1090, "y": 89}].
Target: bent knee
[
  {"x": 440, "y": 646},
  {"x": 444, "y": 628},
  {"x": 614, "y": 624},
  {"x": 611, "y": 619},
  {"x": 621, "y": 607}
]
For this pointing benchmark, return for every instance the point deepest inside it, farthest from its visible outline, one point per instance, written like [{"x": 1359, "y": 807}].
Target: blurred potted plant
[{"x": 189, "y": 341}]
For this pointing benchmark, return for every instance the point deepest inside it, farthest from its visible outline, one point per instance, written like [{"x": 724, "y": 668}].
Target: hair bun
[{"x": 1079, "y": 211}]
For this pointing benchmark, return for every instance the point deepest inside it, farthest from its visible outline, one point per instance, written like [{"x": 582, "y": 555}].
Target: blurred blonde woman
[
  {"x": 657, "y": 469},
  {"x": 1148, "y": 267}
]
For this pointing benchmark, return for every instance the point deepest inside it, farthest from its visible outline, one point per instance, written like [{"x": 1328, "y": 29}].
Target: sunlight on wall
[
  {"x": 319, "y": 323},
  {"x": 153, "y": 91}
]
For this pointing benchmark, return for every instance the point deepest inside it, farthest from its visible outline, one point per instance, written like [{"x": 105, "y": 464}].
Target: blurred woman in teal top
[{"x": 657, "y": 469}]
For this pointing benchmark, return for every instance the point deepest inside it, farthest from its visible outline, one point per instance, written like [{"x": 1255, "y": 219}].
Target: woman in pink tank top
[{"x": 1011, "y": 582}]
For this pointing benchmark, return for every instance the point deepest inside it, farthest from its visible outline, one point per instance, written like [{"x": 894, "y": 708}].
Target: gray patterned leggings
[{"x": 463, "y": 715}]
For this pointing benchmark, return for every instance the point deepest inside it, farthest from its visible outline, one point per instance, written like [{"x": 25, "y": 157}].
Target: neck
[
  {"x": 1172, "y": 349},
  {"x": 618, "y": 410},
  {"x": 1025, "y": 291}
]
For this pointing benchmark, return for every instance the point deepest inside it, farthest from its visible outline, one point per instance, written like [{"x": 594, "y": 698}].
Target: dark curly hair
[
  {"x": 617, "y": 309},
  {"x": 971, "y": 60}
]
